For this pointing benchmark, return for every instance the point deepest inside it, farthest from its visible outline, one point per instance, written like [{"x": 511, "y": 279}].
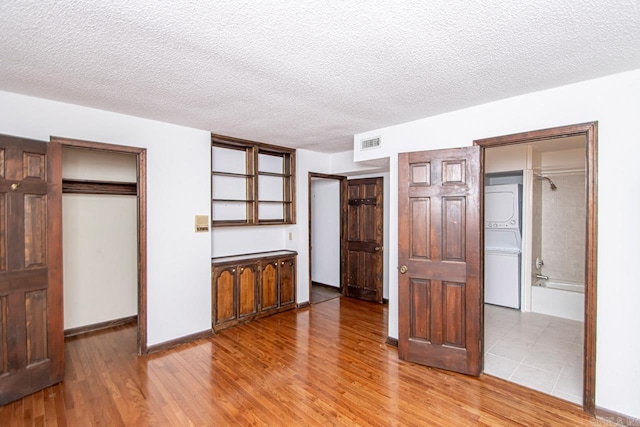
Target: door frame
[
  {"x": 590, "y": 131},
  {"x": 343, "y": 209},
  {"x": 141, "y": 160}
]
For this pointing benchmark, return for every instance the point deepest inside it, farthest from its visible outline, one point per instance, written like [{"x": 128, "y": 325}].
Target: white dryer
[{"x": 502, "y": 245}]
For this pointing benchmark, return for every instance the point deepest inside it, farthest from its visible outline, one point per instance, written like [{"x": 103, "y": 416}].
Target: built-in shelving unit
[{"x": 252, "y": 183}]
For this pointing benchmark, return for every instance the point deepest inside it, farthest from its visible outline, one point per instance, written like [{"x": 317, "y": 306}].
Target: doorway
[
  {"x": 326, "y": 210},
  {"x": 137, "y": 189},
  {"x": 441, "y": 253},
  {"x": 535, "y": 284}
]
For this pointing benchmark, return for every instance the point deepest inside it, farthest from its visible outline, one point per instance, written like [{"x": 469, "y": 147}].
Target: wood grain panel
[
  {"x": 453, "y": 172},
  {"x": 421, "y": 226},
  {"x": 353, "y": 219},
  {"x": 36, "y": 326},
  {"x": 224, "y": 297},
  {"x": 453, "y": 228},
  {"x": 287, "y": 288},
  {"x": 2, "y": 173},
  {"x": 454, "y": 301},
  {"x": 247, "y": 292},
  {"x": 4, "y": 342},
  {"x": 420, "y": 174},
  {"x": 268, "y": 286},
  {"x": 420, "y": 312},
  {"x": 35, "y": 238},
  {"x": 369, "y": 234},
  {"x": 3, "y": 231},
  {"x": 34, "y": 166}
]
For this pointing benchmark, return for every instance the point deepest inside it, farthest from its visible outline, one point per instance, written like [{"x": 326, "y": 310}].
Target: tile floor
[{"x": 541, "y": 352}]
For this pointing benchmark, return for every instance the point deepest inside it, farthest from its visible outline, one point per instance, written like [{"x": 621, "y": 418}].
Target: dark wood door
[
  {"x": 269, "y": 287},
  {"x": 247, "y": 290},
  {"x": 31, "y": 323},
  {"x": 224, "y": 304},
  {"x": 363, "y": 263},
  {"x": 287, "y": 282},
  {"x": 439, "y": 249}
]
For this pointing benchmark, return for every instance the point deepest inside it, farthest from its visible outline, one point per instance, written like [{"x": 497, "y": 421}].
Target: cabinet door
[
  {"x": 247, "y": 290},
  {"x": 223, "y": 295},
  {"x": 287, "y": 282},
  {"x": 269, "y": 290}
]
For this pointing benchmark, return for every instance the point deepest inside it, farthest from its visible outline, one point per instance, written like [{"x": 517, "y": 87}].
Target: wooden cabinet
[{"x": 247, "y": 287}]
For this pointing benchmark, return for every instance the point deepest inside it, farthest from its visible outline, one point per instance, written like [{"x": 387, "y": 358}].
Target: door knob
[{"x": 403, "y": 269}]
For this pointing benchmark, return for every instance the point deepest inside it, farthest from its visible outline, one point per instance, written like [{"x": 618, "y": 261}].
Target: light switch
[{"x": 202, "y": 223}]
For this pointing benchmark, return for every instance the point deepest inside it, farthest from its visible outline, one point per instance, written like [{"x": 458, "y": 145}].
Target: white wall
[
  {"x": 179, "y": 264},
  {"x": 100, "y": 241},
  {"x": 613, "y": 102},
  {"x": 325, "y": 231}
]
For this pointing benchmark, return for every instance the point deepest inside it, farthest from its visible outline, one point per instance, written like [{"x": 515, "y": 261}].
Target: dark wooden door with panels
[
  {"x": 363, "y": 260},
  {"x": 31, "y": 323}
]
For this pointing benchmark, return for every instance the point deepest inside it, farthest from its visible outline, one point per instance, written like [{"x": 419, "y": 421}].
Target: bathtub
[{"x": 558, "y": 298}]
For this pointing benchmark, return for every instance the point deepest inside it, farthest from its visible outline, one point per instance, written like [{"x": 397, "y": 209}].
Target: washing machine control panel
[{"x": 506, "y": 224}]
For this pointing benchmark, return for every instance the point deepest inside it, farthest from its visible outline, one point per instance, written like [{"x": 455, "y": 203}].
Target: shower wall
[{"x": 561, "y": 221}]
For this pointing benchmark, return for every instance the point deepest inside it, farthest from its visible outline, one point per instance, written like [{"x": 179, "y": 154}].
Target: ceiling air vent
[{"x": 371, "y": 143}]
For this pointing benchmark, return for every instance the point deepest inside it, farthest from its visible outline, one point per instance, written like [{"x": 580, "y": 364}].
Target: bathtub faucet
[{"x": 542, "y": 276}]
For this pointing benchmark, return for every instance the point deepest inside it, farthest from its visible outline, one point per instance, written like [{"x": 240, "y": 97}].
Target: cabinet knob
[
  {"x": 14, "y": 187},
  {"x": 242, "y": 269},
  {"x": 233, "y": 270},
  {"x": 282, "y": 263}
]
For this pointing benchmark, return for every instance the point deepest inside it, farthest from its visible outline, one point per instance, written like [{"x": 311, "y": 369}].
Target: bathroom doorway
[{"x": 546, "y": 341}]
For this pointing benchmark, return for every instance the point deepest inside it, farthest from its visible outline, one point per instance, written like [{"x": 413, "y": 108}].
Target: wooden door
[
  {"x": 247, "y": 290},
  {"x": 363, "y": 263},
  {"x": 224, "y": 304},
  {"x": 439, "y": 249},
  {"x": 268, "y": 287},
  {"x": 287, "y": 282},
  {"x": 31, "y": 322}
]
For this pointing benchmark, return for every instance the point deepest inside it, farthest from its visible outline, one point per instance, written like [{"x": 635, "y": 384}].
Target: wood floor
[{"x": 326, "y": 365}]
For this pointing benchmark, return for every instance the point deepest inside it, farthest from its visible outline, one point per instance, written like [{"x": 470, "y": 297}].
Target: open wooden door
[
  {"x": 31, "y": 322},
  {"x": 364, "y": 237},
  {"x": 439, "y": 254}
]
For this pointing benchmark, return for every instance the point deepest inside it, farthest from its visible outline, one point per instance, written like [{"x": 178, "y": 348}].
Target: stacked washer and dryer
[{"x": 502, "y": 244}]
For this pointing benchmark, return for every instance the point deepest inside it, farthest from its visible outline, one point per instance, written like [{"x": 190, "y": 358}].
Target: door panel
[
  {"x": 440, "y": 304},
  {"x": 364, "y": 239},
  {"x": 247, "y": 291},
  {"x": 224, "y": 304},
  {"x": 269, "y": 290},
  {"x": 287, "y": 274},
  {"x": 31, "y": 327}
]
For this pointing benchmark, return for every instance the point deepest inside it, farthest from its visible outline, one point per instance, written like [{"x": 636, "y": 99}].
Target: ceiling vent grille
[{"x": 369, "y": 144}]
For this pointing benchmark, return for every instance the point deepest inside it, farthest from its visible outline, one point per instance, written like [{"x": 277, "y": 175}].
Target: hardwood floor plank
[{"x": 327, "y": 365}]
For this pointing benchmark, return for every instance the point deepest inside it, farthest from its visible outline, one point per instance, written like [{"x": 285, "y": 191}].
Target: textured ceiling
[{"x": 306, "y": 74}]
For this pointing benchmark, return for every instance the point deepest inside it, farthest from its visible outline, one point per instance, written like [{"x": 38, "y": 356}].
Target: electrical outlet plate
[{"x": 202, "y": 223}]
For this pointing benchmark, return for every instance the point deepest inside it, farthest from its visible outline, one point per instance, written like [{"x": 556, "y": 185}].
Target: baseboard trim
[
  {"x": 304, "y": 305},
  {"x": 392, "y": 341},
  {"x": 72, "y": 332},
  {"x": 179, "y": 341},
  {"x": 616, "y": 418}
]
